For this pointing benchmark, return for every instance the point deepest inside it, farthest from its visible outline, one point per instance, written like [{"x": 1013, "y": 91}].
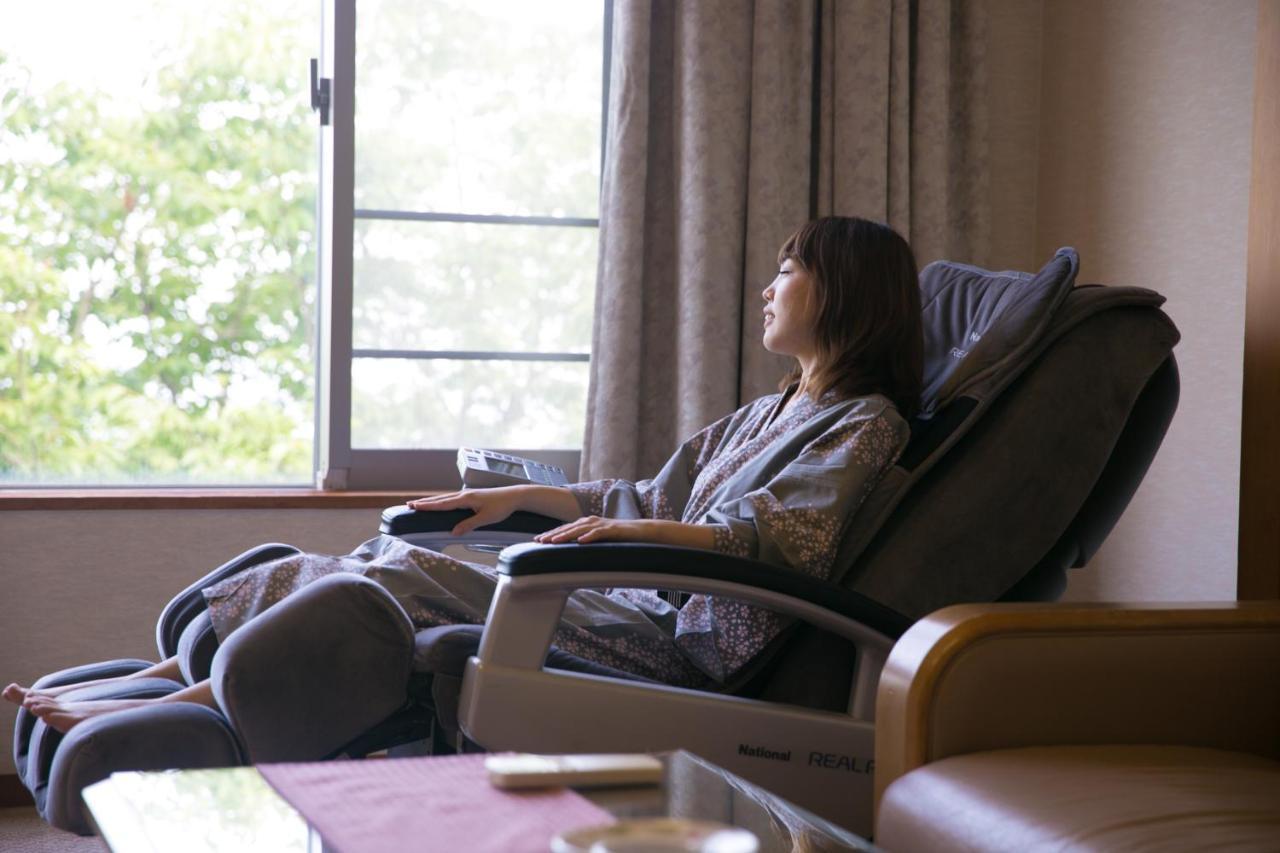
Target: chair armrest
[
  {"x": 402, "y": 521},
  {"x": 981, "y": 677},
  {"x": 610, "y": 562},
  {"x": 535, "y": 580}
]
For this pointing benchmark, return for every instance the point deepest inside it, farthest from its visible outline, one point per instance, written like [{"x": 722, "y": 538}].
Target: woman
[{"x": 777, "y": 480}]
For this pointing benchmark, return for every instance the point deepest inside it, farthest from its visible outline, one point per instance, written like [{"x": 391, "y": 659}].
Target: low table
[{"x": 235, "y": 809}]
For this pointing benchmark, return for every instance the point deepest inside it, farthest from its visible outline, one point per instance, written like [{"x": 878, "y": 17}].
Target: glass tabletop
[
  {"x": 236, "y": 809},
  {"x": 695, "y": 788}
]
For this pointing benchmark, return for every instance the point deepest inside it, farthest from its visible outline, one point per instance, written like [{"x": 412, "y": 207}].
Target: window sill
[{"x": 233, "y": 498}]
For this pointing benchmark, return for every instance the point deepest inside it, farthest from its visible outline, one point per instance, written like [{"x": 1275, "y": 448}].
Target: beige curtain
[{"x": 730, "y": 124}]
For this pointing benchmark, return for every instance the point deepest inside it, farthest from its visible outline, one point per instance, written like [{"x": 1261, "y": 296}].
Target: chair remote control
[{"x": 579, "y": 771}]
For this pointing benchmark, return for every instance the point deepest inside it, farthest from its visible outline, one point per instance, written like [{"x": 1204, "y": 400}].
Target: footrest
[
  {"x": 26, "y": 721},
  {"x": 157, "y": 737}
]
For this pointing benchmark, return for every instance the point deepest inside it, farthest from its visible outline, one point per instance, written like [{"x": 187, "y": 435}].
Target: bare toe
[
  {"x": 61, "y": 719},
  {"x": 40, "y": 708},
  {"x": 32, "y": 697},
  {"x": 53, "y": 713},
  {"x": 15, "y": 693}
]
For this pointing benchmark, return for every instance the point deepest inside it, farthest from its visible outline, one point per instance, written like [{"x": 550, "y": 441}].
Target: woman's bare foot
[
  {"x": 65, "y": 715},
  {"x": 19, "y": 695}
]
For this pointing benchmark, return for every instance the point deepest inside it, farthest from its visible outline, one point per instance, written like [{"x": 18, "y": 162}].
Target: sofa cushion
[{"x": 1085, "y": 798}]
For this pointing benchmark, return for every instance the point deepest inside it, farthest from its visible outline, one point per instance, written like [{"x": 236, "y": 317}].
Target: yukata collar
[{"x": 807, "y": 405}]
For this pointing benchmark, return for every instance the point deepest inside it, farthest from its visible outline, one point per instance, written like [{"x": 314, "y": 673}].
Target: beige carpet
[{"x": 22, "y": 831}]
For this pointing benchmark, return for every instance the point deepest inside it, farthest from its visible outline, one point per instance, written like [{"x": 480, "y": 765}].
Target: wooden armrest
[{"x": 980, "y": 677}]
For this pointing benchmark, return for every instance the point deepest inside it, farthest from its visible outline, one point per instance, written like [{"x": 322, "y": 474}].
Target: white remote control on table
[{"x": 578, "y": 771}]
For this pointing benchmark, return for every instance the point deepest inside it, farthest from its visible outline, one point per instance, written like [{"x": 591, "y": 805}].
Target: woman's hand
[
  {"x": 489, "y": 505},
  {"x": 593, "y": 528}
]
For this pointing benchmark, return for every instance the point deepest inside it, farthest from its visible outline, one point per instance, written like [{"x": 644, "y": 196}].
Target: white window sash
[{"x": 338, "y": 466}]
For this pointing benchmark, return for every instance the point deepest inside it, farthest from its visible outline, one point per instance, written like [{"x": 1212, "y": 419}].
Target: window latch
[{"x": 319, "y": 92}]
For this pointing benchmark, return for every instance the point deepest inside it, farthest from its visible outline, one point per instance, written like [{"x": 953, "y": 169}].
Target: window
[
  {"x": 159, "y": 239},
  {"x": 474, "y": 160},
  {"x": 157, "y": 242}
]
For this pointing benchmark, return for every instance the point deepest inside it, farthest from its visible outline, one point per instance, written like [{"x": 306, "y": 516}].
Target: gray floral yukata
[{"x": 775, "y": 482}]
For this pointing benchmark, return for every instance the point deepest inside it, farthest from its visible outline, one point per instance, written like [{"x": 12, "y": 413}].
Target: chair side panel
[{"x": 1002, "y": 497}]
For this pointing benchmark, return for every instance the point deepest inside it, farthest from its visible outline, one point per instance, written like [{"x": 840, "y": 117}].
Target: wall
[
  {"x": 80, "y": 587},
  {"x": 1145, "y": 123}
]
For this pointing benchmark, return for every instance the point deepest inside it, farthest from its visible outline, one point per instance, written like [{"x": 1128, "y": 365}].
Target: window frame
[{"x": 339, "y": 466}]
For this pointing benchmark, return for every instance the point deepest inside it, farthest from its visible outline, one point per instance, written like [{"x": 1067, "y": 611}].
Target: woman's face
[{"x": 789, "y": 309}]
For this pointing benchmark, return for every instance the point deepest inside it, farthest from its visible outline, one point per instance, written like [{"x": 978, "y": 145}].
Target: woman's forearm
[
  {"x": 684, "y": 535},
  {"x": 553, "y": 501}
]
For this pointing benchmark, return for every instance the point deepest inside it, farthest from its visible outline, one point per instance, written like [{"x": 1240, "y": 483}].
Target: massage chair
[{"x": 1044, "y": 404}]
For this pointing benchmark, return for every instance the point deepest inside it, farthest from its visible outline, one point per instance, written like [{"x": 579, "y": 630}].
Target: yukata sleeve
[
  {"x": 662, "y": 497},
  {"x": 794, "y": 521}
]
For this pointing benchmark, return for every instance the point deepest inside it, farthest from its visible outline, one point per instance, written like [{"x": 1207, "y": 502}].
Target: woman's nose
[{"x": 767, "y": 293}]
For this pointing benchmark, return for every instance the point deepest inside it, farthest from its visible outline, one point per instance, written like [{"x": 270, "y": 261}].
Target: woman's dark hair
[{"x": 868, "y": 328}]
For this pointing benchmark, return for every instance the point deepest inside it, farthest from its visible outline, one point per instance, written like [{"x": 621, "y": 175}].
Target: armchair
[{"x": 1101, "y": 727}]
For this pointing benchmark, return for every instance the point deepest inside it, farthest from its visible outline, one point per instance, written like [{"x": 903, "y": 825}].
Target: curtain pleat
[
  {"x": 778, "y": 175},
  {"x": 710, "y": 166}
]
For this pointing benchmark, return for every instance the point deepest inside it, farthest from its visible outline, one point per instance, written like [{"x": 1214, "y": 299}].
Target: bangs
[
  {"x": 799, "y": 246},
  {"x": 788, "y": 251}
]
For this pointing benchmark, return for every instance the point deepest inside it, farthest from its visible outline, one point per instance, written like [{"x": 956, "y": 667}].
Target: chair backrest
[
  {"x": 1044, "y": 406},
  {"x": 1044, "y": 427}
]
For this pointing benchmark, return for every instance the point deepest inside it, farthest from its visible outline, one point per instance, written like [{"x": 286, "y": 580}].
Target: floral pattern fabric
[{"x": 777, "y": 481}]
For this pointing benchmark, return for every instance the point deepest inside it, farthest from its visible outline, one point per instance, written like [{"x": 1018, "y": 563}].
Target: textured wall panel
[{"x": 80, "y": 587}]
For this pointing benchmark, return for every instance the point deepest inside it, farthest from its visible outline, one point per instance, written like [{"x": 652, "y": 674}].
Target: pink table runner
[{"x": 443, "y": 803}]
